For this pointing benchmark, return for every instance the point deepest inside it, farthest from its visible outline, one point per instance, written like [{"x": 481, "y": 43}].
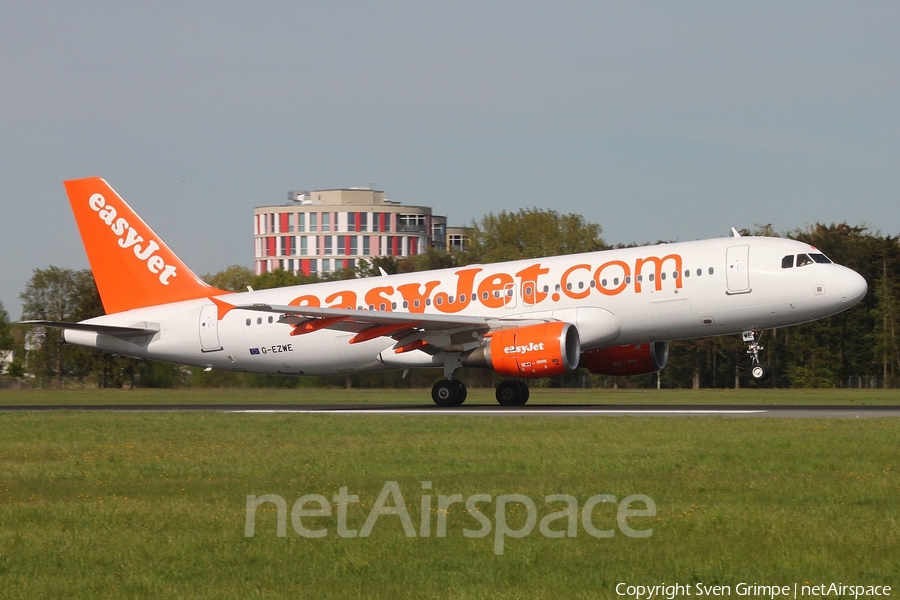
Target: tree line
[{"x": 856, "y": 348}]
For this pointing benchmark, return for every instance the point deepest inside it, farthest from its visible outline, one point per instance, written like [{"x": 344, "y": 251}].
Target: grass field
[
  {"x": 154, "y": 504},
  {"x": 423, "y": 396}
]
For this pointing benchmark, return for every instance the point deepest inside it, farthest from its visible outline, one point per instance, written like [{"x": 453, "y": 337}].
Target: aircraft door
[
  {"x": 209, "y": 329},
  {"x": 509, "y": 295},
  {"x": 737, "y": 273}
]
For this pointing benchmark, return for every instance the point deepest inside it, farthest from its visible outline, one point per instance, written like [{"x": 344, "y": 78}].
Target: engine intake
[
  {"x": 541, "y": 350},
  {"x": 637, "y": 359}
]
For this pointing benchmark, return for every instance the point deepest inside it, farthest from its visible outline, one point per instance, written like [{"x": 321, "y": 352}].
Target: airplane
[{"x": 613, "y": 312}]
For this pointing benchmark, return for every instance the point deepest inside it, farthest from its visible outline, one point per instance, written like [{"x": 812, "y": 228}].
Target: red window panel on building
[
  {"x": 304, "y": 266},
  {"x": 284, "y": 222},
  {"x": 395, "y": 242},
  {"x": 358, "y": 227},
  {"x": 413, "y": 245}
]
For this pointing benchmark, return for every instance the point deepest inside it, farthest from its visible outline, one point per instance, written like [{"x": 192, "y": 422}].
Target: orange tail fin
[{"x": 133, "y": 268}]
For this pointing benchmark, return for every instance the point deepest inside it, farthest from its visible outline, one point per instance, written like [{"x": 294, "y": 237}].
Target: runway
[{"x": 540, "y": 410}]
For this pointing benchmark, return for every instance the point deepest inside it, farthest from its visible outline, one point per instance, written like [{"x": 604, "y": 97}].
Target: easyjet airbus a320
[{"x": 613, "y": 312}]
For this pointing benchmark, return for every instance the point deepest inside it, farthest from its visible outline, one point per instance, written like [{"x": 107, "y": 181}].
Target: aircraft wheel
[
  {"x": 526, "y": 393},
  {"x": 512, "y": 393},
  {"x": 449, "y": 392},
  {"x": 760, "y": 372}
]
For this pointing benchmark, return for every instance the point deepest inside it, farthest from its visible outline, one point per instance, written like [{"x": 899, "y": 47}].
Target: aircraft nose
[{"x": 852, "y": 285}]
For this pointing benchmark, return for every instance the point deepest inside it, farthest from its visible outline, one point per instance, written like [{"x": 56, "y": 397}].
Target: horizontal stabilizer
[{"x": 113, "y": 330}]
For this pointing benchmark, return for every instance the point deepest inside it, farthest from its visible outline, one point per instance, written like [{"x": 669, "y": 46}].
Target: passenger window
[
  {"x": 699, "y": 272},
  {"x": 711, "y": 270},
  {"x": 803, "y": 260},
  {"x": 787, "y": 262}
]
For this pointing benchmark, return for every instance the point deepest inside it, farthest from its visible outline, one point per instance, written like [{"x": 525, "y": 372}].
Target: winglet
[
  {"x": 132, "y": 266},
  {"x": 735, "y": 232}
]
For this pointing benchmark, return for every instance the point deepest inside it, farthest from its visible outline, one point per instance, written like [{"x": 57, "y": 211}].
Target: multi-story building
[{"x": 327, "y": 230}]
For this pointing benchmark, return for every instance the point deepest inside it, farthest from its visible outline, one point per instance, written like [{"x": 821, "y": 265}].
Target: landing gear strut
[
  {"x": 449, "y": 391},
  {"x": 512, "y": 393},
  {"x": 758, "y": 370}
]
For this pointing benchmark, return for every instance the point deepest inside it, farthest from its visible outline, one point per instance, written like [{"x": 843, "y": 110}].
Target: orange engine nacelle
[
  {"x": 627, "y": 360},
  {"x": 541, "y": 350}
]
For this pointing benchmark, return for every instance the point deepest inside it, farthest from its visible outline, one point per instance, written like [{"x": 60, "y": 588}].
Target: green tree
[
  {"x": 885, "y": 315},
  {"x": 6, "y": 340},
  {"x": 56, "y": 294},
  {"x": 531, "y": 233},
  {"x": 235, "y": 278}
]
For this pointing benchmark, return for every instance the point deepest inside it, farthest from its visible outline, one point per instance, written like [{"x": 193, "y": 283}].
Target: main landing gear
[
  {"x": 452, "y": 392},
  {"x": 512, "y": 393},
  {"x": 758, "y": 370},
  {"x": 449, "y": 392}
]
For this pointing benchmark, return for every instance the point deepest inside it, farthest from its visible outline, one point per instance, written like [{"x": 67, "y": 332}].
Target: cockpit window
[
  {"x": 821, "y": 259},
  {"x": 803, "y": 260},
  {"x": 787, "y": 262}
]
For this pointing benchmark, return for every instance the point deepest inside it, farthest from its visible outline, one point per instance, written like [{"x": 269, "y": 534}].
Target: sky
[{"x": 658, "y": 121}]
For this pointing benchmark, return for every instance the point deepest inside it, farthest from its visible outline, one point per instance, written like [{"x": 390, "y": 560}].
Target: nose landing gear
[{"x": 758, "y": 370}]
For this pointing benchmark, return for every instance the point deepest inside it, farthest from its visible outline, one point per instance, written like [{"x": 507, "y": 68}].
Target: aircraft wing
[
  {"x": 113, "y": 330},
  {"x": 444, "y": 332}
]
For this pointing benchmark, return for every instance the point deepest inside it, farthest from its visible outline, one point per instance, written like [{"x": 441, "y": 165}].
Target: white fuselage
[{"x": 615, "y": 297}]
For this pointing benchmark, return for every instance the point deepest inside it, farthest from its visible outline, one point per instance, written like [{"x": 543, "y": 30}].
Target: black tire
[
  {"x": 511, "y": 393},
  {"x": 461, "y": 390},
  {"x": 449, "y": 392},
  {"x": 760, "y": 372},
  {"x": 526, "y": 393}
]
